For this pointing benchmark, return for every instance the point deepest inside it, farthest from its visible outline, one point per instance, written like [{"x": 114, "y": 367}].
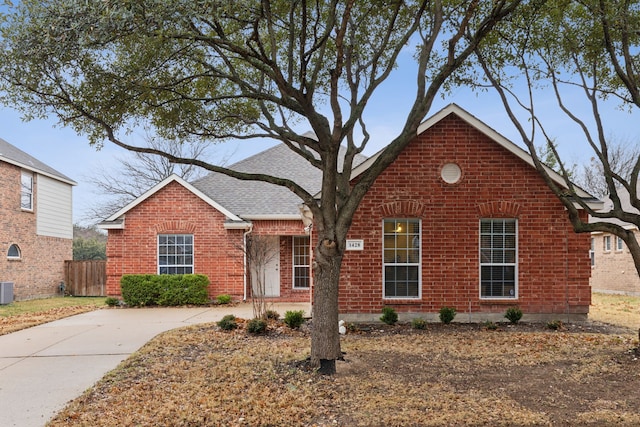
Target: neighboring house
[
  {"x": 612, "y": 267},
  {"x": 460, "y": 219},
  {"x": 36, "y": 226}
]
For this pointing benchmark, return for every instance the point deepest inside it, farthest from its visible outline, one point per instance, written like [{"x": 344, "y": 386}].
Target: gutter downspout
[{"x": 244, "y": 260}]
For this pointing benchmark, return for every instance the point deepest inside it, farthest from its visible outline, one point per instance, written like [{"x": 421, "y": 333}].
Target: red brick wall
[
  {"x": 175, "y": 210},
  {"x": 553, "y": 267},
  {"x": 41, "y": 267}
]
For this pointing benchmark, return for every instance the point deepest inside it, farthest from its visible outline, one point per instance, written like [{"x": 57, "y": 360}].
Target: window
[
  {"x": 498, "y": 258},
  {"x": 619, "y": 243},
  {"x": 301, "y": 270},
  {"x": 401, "y": 258},
  {"x": 26, "y": 191},
  {"x": 175, "y": 254},
  {"x": 14, "y": 252},
  {"x": 592, "y": 252},
  {"x": 606, "y": 243}
]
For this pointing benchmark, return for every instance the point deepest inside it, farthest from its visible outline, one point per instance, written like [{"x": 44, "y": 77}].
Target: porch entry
[{"x": 265, "y": 275}]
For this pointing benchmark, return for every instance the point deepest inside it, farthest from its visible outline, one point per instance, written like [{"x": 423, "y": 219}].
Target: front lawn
[
  {"x": 25, "y": 314},
  {"x": 454, "y": 375}
]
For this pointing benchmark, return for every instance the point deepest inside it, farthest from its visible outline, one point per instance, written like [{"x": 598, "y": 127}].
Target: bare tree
[
  {"x": 259, "y": 253},
  {"x": 138, "y": 172}
]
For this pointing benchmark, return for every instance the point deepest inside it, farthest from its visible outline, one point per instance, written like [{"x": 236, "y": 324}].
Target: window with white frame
[
  {"x": 606, "y": 243},
  {"x": 592, "y": 252},
  {"x": 175, "y": 254},
  {"x": 14, "y": 252},
  {"x": 401, "y": 258},
  {"x": 26, "y": 191},
  {"x": 301, "y": 262},
  {"x": 619, "y": 243},
  {"x": 498, "y": 258}
]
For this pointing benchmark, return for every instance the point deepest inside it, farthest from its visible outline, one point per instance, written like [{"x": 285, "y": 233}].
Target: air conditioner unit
[{"x": 6, "y": 292}]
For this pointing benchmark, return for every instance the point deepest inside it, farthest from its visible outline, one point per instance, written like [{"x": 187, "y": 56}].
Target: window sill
[
  {"x": 14, "y": 259},
  {"x": 501, "y": 301},
  {"x": 402, "y": 301}
]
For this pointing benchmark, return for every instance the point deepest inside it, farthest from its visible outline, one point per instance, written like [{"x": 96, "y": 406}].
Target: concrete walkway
[{"x": 44, "y": 367}]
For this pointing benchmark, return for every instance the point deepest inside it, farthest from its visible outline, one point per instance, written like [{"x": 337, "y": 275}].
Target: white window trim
[
  {"x": 419, "y": 263},
  {"x": 619, "y": 244},
  {"x": 516, "y": 264},
  {"x": 294, "y": 265},
  {"x": 606, "y": 243},
  {"x": 29, "y": 175},
  {"x": 14, "y": 258},
  {"x": 193, "y": 255}
]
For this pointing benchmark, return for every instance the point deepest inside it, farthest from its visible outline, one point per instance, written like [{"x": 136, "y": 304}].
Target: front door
[{"x": 266, "y": 277}]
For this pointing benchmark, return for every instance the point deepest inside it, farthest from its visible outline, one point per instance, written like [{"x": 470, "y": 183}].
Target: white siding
[{"x": 54, "y": 208}]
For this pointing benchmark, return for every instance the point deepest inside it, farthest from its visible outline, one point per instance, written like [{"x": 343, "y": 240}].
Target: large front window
[
  {"x": 401, "y": 258},
  {"x": 498, "y": 258},
  {"x": 175, "y": 254},
  {"x": 301, "y": 270}
]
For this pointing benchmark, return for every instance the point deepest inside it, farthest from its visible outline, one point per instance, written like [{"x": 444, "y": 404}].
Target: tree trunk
[{"x": 325, "y": 339}]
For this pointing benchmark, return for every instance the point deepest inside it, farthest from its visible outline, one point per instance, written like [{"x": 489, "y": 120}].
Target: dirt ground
[{"x": 454, "y": 375}]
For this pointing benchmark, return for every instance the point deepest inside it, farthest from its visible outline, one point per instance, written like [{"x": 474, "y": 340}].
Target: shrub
[
  {"x": 513, "y": 314},
  {"x": 490, "y": 325},
  {"x": 419, "y": 324},
  {"x": 447, "y": 314},
  {"x": 228, "y": 322},
  {"x": 112, "y": 301},
  {"x": 352, "y": 327},
  {"x": 271, "y": 315},
  {"x": 256, "y": 326},
  {"x": 389, "y": 315},
  {"x": 223, "y": 299},
  {"x": 165, "y": 289},
  {"x": 294, "y": 319},
  {"x": 555, "y": 325}
]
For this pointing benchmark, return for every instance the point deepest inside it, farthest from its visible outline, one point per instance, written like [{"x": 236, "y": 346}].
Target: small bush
[
  {"x": 555, "y": 325},
  {"x": 256, "y": 326},
  {"x": 352, "y": 327},
  {"x": 271, "y": 315},
  {"x": 228, "y": 322},
  {"x": 389, "y": 316},
  {"x": 294, "y": 319},
  {"x": 112, "y": 301},
  {"x": 419, "y": 324},
  {"x": 490, "y": 325},
  {"x": 223, "y": 299},
  {"x": 447, "y": 314},
  {"x": 513, "y": 314}
]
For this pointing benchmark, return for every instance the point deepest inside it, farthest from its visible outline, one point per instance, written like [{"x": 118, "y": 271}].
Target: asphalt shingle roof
[
  {"x": 254, "y": 198},
  {"x": 15, "y": 156}
]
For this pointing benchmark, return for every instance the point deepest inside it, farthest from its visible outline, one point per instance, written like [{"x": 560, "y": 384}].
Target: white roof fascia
[
  {"x": 164, "y": 183},
  {"x": 38, "y": 171},
  {"x": 488, "y": 131},
  {"x": 274, "y": 217},
  {"x": 237, "y": 225},
  {"x": 113, "y": 225}
]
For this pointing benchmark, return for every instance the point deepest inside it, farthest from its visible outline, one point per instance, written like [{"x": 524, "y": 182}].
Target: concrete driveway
[{"x": 44, "y": 367}]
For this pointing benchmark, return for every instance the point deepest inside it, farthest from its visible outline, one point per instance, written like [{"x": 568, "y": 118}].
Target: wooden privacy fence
[{"x": 85, "y": 278}]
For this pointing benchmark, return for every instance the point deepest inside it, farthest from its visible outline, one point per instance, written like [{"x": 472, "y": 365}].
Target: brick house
[
  {"x": 612, "y": 267},
  {"x": 36, "y": 226},
  {"x": 461, "y": 219}
]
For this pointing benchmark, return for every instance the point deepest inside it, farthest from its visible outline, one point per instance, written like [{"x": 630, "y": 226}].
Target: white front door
[{"x": 267, "y": 276}]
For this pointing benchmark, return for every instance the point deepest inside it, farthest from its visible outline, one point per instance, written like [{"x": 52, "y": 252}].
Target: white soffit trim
[{"x": 163, "y": 184}]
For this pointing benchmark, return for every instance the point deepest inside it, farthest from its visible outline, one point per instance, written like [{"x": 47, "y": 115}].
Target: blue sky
[{"x": 71, "y": 154}]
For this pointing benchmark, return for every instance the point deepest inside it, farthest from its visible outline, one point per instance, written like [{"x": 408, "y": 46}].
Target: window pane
[
  {"x": 301, "y": 262},
  {"x": 401, "y": 257},
  {"x": 498, "y": 258},
  {"x": 175, "y": 254},
  {"x": 14, "y": 251}
]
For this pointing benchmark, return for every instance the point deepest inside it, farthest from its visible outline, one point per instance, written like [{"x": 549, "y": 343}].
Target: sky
[{"x": 72, "y": 155}]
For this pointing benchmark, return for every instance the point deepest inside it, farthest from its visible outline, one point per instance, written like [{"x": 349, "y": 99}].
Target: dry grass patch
[
  {"x": 25, "y": 314},
  {"x": 619, "y": 310},
  {"x": 392, "y": 376}
]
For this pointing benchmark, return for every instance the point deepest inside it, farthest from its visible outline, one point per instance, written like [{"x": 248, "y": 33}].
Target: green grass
[{"x": 40, "y": 305}]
